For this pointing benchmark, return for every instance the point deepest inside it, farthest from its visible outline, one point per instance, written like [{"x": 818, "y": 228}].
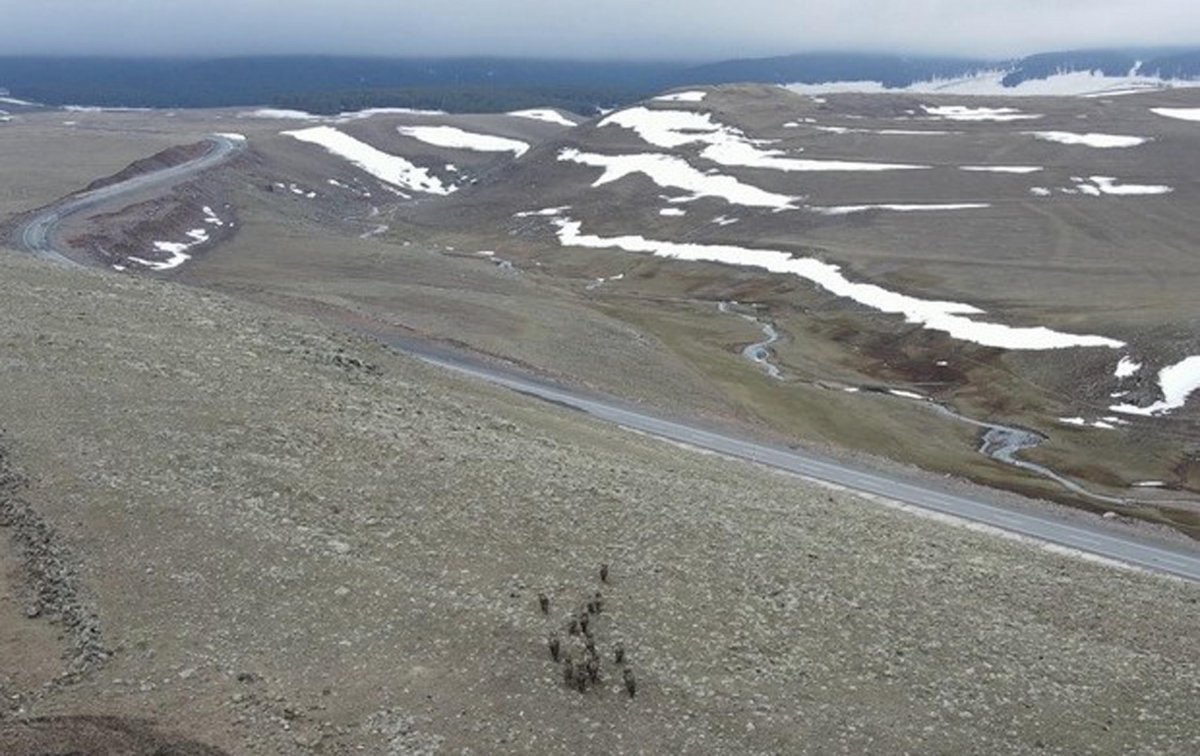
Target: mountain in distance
[
  {"x": 323, "y": 84},
  {"x": 1065, "y": 72}
]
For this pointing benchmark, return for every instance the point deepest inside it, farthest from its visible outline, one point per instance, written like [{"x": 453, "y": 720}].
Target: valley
[{"x": 334, "y": 397}]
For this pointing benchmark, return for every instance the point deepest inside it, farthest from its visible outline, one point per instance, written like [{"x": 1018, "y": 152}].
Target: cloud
[{"x": 689, "y": 29}]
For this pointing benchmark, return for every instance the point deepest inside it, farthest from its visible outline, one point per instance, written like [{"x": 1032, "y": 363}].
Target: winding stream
[{"x": 1002, "y": 443}]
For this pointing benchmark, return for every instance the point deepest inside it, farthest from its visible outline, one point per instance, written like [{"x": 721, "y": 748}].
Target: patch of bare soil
[{"x": 168, "y": 158}]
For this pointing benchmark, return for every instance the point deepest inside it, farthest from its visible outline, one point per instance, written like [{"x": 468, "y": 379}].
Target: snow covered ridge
[
  {"x": 952, "y": 318},
  {"x": 391, "y": 169},
  {"x": 989, "y": 83},
  {"x": 455, "y": 138},
  {"x": 672, "y": 172},
  {"x": 544, "y": 114},
  {"x": 1099, "y": 141},
  {"x": 725, "y": 145}
]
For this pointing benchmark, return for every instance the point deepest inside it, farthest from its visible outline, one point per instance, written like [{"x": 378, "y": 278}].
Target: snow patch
[
  {"x": 544, "y": 114},
  {"x": 1177, "y": 382},
  {"x": 1018, "y": 169},
  {"x": 1126, "y": 367},
  {"x": 674, "y": 212},
  {"x": 457, "y": 139},
  {"x": 952, "y": 318},
  {"x": 1099, "y": 141},
  {"x": 232, "y": 136},
  {"x": 1181, "y": 114},
  {"x": 966, "y": 113},
  {"x": 673, "y": 172},
  {"x": 389, "y": 168},
  {"x": 694, "y": 96},
  {"x": 899, "y": 208},
  {"x": 725, "y": 145}
]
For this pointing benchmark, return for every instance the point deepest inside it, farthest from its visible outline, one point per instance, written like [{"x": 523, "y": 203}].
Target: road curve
[
  {"x": 1097, "y": 540},
  {"x": 36, "y": 236}
]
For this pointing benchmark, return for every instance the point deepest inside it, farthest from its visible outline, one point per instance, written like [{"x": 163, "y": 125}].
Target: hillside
[
  {"x": 273, "y": 537},
  {"x": 924, "y": 265}
]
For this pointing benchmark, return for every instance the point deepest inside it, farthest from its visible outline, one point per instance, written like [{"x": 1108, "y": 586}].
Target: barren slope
[{"x": 361, "y": 539}]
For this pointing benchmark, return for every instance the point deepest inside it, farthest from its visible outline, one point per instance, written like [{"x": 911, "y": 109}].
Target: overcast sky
[{"x": 641, "y": 29}]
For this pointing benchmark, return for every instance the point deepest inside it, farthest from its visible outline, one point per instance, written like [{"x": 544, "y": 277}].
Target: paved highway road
[
  {"x": 37, "y": 235},
  {"x": 1096, "y": 540}
]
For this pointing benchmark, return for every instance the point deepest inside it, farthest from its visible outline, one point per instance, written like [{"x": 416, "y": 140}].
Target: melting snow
[
  {"x": 1126, "y": 367},
  {"x": 1182, "y": 114},
  {"x": 725, "y": 145},
  {"x": 672, "y": 211},
  {"x": 949, "y": 317},
  {"x": 722, "y": 220},
  {"x": 673, "y": 172},
  {"x": 544, "y": 212},
  {"x": 234, "y": 137},
  {"x": 1177, "y": 383},
  {"x": 906, "y": 394},
  {"x": 899, "y": 208},
  {"x": 177, "y": 251},
  {"x": 964, "y": 113},
  {"x": 1109, "y": 185},
  {"x": 358, "y": 115},
  {"x": 455, "y": 138},
  {"x": 1099, "y": 141},
  {"x": 1040, "y": 191},
  {"x": 544, "y": 114},
  {"x": 1000, "y": 168},
  {"x": 696, "y": 96},
  {"x": 390, "y": 168}
]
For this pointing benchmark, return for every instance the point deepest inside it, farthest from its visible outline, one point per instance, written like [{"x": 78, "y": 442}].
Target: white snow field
[
  {"x": 725, "y": 145},
  {"x": 1099, "y": 141},
  {"x": 392, "y": 169},
  {"x": 951, "y": 318},
  {"x": 544, "y": 114},
  {"x": 675, "y": 173},
  {"x": 1181, "y": 114},
  {"x": 283, "y": 114},
  {"x": 1108, "y": 185},
  {"x": 1177, "y": 382},
  {"x": 455, "y": 138}
]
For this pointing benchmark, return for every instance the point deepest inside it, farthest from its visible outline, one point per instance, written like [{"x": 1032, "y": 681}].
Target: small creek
[{"x": 1002, "y": 443}]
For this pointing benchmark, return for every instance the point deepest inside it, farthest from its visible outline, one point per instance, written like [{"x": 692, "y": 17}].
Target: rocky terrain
[{"x": 229, "y": 528}]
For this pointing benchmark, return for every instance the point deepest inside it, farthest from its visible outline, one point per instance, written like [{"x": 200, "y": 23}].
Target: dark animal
[
  {"x": 604, "y": 573},
  {"x": 544, "y": 602},
  {"x": 554, "y": 647},
  {"x": 619, "y": 654},
  {"x": 630, "y": 682}
]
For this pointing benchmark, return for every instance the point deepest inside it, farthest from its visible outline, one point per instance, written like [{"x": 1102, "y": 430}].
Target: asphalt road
[
  {"x": 1099, "y": 540},
  {"x": 37, "y": 235}
]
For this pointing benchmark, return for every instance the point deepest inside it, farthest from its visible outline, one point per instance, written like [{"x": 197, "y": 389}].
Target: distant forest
[{"x": 332, "y": 84}]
